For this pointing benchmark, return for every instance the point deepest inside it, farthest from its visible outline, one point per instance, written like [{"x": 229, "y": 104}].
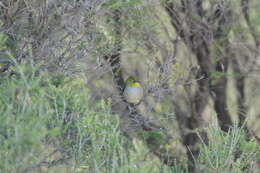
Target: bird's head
[{"x": 132, "y": 81}]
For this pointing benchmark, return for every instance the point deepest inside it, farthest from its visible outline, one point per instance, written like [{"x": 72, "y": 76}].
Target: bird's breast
[{"x": 133, "y": 94}]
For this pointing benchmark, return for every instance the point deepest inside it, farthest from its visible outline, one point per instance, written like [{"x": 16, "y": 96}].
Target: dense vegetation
[
  {"x": 63, "y": 66},
  {"x": 47, "y": 127}
]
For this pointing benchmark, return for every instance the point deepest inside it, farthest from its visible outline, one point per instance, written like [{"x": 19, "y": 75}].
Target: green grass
[
  {"x": 48, "y": 125},
  {"x": 45, "y": 125},
  {"x": 228, "y": 153}
]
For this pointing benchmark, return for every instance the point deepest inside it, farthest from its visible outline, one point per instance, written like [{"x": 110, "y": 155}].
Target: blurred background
[{"x": 63, "y": 66}]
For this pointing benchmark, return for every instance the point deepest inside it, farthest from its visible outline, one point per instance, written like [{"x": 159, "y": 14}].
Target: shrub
[{"x": 45, "y": 125}]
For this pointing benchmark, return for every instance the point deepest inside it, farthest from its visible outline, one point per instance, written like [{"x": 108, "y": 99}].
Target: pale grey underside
[{"x": 133, "y": 94}]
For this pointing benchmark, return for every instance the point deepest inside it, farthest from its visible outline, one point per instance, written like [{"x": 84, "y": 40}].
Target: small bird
[{"x": 133, "y": 91}]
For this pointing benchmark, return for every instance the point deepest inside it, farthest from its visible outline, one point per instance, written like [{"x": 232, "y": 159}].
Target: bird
[{"x": 133, "y": 91}]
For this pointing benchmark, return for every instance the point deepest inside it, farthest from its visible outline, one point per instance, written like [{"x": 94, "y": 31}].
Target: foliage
[
  {"x": 60, "y": 61},
  {"x": 43, "y": 124},
  {"x": 117, "y": 4},
  {"x": 50, "y": 126},
  {"x": 227, "y": 153}
]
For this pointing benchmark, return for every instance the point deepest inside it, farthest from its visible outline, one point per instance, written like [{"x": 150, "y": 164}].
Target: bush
[
  {"x": 227, "y": 153},
  {"x": 46, "y": 126}
]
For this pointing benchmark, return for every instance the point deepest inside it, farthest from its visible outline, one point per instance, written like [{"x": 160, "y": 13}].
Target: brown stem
[
  {"x": 198, "y": 37},
  {"x": 220, "y": 96}
]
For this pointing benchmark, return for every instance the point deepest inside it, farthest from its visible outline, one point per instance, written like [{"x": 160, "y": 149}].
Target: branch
[{"x": 175, "y": 18}]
